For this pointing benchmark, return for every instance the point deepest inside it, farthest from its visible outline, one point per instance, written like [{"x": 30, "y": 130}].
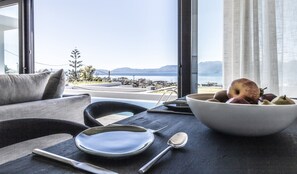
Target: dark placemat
[{"x": 163, "y": 109}]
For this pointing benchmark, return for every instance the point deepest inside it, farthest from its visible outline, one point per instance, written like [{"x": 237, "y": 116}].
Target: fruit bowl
[{"x": 241, "y": 119}]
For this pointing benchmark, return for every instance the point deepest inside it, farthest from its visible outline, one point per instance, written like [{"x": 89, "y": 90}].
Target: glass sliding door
[
  {"x": 208, "y": 42},
  {"x": 117, "y": 49},
  {"x": 10, "y": 37}
]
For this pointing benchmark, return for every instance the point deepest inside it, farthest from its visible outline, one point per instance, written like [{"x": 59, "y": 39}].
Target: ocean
[{"x": 201, "y": 79}]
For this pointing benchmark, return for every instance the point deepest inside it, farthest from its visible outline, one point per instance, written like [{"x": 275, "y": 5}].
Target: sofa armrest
[{"x": 69, "y": 107}]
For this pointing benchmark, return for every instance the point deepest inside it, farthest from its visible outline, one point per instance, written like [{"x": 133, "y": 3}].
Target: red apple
[
  {"x": 244, "y": 88},
  {"x": 238, "y": 100}
]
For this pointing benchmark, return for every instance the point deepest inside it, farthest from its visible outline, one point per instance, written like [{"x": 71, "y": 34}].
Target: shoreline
[{"x": 202, "y": 80}]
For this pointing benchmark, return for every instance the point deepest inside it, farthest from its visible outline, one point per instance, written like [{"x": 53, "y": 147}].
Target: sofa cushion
[
  {"x": 55, "y": 85},
  {"x": 22, "y": 87}
]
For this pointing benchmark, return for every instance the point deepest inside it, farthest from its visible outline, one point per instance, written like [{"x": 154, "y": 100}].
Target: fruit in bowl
[
  {"x": 221, "y": 96},
  {"x": 241, "y": 119},
  {"x": 239, "y": 100},
  {"x": 282, "y": 100},
  {"x": 268, "y": 96},
  {"x": 244, "y": 88},
  {"x": 245, "y": 91},
  {"x": 241, "y": 114}
]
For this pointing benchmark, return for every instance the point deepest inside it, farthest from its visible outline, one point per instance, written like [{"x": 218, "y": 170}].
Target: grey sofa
[
  {"x": 69, "y": 107},
  {"x": 38, "y": 96},
  {"x": 65, "y": 108}
]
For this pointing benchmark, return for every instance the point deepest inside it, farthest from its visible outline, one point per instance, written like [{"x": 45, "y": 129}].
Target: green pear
[{"x": 282, "y": 100}]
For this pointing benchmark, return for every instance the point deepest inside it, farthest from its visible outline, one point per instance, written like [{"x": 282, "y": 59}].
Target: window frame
[
  {"x": 20, "y": 28},
  {"x": 28, "y": 40},
  {"x": 26, "y": 44}
]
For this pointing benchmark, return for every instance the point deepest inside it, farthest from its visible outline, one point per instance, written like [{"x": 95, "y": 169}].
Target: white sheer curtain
[{"x": 260, "y": 43}]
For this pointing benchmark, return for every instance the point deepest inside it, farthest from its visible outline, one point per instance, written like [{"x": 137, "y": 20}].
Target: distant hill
[
  {"x": 208, "y": 68},
  {"x": 168, "y": 70}
]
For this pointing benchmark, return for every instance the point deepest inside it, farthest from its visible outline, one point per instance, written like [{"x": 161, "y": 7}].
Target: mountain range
[{"x": 208, "y": 68}]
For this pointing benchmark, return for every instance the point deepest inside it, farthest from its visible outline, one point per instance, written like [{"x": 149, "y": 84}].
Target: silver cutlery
[
  {"x": 80, "y": 165},
  {"x": 178, "y": 140}
]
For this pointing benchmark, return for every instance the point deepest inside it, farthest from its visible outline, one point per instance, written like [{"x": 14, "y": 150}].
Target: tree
[
  {"x": 75, "y": 64},
  {"x": 87, "y": 73}
]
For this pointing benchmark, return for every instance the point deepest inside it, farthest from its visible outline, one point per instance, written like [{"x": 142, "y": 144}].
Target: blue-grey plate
[
  {"x": 177, "y": 105},
  {"x": 114, "y": 140}
]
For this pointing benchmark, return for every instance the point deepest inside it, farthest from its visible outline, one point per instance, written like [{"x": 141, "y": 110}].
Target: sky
[
  {"x": 210, "y": 30},
  {"x": 116, "y": 33},
  {"x": 109, "y": 33}
]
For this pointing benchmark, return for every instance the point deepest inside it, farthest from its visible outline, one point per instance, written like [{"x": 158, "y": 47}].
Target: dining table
[{"x": 207, "y": 151}]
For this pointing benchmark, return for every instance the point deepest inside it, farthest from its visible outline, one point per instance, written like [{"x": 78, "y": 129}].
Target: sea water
[{"x": 201, "y": 79}]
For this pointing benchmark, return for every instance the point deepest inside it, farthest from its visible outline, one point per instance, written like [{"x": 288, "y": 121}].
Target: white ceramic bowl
[{"x": 241, "y": 119}]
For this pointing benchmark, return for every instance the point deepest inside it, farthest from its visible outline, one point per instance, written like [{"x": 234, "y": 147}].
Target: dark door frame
[
  {"x": 187, "y": 63},
  {"x": 28, "y": 10}
]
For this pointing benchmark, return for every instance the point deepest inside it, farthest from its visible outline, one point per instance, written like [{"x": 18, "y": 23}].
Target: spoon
[{"x": 178, "y": 140}]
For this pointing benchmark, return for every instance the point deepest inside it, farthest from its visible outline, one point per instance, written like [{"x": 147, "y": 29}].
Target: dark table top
[{"x": 207, "y": 151}]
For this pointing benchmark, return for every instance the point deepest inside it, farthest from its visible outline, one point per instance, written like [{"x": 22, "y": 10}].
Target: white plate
[{"x": 114, "y": 140}]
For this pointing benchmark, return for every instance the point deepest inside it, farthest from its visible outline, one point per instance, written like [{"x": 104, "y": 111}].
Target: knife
[{"x": 80, "y": 165}]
